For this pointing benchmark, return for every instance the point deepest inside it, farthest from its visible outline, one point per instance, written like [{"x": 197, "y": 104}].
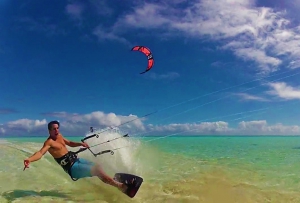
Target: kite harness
[{"x": 67, "y": 161}]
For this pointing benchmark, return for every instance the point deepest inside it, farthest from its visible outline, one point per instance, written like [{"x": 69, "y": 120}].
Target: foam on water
[
  {"x": 2, "y": 141},
  {"x": 124, "y": 149}
]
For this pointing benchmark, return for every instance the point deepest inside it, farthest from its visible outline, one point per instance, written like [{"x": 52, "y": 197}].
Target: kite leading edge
[{"x": 149, "y": 55}]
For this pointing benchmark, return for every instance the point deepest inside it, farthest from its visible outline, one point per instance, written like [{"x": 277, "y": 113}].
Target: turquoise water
[{"x": 175, "y": 169}]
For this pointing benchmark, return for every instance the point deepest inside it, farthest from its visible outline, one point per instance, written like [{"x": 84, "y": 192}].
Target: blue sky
[{"x": 233, "y": 66}]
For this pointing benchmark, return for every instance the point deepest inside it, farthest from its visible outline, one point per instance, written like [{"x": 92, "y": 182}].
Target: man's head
[{"x": 53, "y": 128}]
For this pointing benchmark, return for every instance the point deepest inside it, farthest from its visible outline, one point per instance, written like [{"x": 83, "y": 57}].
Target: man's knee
[{"x": 97, "y": 169}]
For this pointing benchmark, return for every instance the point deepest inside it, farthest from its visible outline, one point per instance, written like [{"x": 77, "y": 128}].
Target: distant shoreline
[{"x": 5, "y": 137}]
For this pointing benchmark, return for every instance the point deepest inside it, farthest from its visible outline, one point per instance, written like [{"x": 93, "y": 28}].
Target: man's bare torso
[{"x": 57, "y": 147}]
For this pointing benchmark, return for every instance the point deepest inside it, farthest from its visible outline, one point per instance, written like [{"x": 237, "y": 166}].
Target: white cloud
[
  {"x": 26, "y": 123},
  {"x": 147, "y": 16},
  {"x": 23, "y": 126},
  {"x": 247, "y": 97},
  {"x": 265, "y": 62},
  {"x": 294, "y": 64},
  {"x": 253, "y": 125},
  {"x": 282, "y": 90},
  {"x": 105, "y": 34},
  {"x": 257, "y": 34},
  {"x": 262, "y": 128},
  {"x": 78, "y": 125},
  {"x": 204, "y": 128}
]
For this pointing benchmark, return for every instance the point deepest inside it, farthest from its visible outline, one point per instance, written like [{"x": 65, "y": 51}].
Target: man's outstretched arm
[{"x": 38, "y": 155}]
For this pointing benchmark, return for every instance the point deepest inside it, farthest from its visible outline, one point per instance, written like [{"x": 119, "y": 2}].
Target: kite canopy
[{"x": 148, "y": 53}]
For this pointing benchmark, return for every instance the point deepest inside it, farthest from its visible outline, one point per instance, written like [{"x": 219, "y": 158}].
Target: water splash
[{"x": 125, "y": 150}]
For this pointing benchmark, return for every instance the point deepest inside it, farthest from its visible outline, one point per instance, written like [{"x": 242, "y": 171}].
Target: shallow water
[{"x": 176, "y": 169}]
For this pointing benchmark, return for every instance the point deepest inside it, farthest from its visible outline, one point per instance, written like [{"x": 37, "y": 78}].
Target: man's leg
[
  {"x": 99, "y": 172},
  {"x": 84, "y": 168}
]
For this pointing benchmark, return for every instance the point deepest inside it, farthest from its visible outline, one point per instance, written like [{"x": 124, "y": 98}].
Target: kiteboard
[{"x": 131, "y": 181}]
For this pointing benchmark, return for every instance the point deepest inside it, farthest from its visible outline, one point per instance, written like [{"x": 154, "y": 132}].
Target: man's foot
[{"x": 123, "y": 187}]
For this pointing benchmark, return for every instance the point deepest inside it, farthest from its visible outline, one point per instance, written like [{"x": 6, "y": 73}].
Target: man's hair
[{"x": 51, "y": 123}]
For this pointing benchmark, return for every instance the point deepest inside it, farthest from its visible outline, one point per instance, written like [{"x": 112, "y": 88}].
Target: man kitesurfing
[{"x": 78, "y": 167}]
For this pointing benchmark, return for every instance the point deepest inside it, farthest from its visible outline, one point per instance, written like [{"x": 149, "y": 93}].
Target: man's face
[{"x": 54, "y": 131}]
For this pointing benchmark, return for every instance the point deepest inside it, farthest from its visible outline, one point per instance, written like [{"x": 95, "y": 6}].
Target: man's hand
[
  {"x": 26, "y": 164},
  {"x": 85, "y": 145}
]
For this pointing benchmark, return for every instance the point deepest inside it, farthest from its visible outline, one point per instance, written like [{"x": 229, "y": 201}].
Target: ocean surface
[{"x": 175, "y": 169}]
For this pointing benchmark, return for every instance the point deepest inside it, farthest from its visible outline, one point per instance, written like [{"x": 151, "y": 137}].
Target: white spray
[{"x": 124, "y": 148}]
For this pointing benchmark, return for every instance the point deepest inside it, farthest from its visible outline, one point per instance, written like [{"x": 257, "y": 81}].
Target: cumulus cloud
[
  {"x": 72, "y": 123},
  {"x": 78, "y": 125},
  {"x": 262, "y": 128},
  {"x": 207, "y": 128},
  {"x": 23, "y": 126}
]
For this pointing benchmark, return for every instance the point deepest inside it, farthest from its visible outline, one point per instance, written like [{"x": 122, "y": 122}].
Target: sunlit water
[{"x": 175, "y": 169}]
